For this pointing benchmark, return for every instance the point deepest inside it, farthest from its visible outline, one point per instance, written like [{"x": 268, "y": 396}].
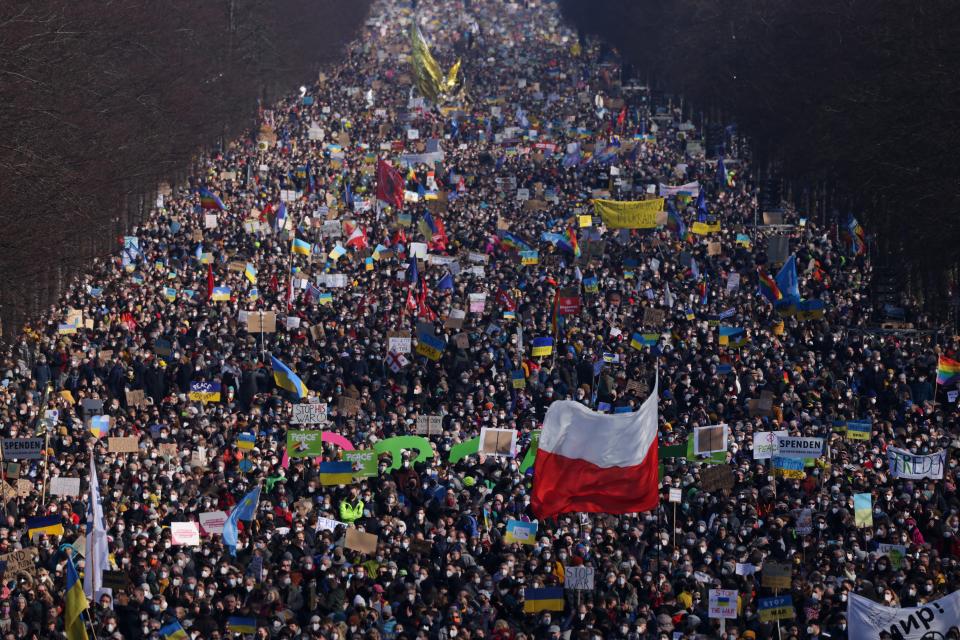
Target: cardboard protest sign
[
  {"x": 707, "y": 440},
  {"x": 62, "y": 486},
  {"x": 261, "y": 322},
  {"x": 776, "y": 575},
  {"x": 20, "y": 561},
  {"x": 360, "y": 541},
  {"x": 717, "y": 477},
  {"x": 136, "y": 398},
  {"x": 348, "y": 406},
  {"x": 429, "y": 425},
  {"x": 498, "y": 442},
  {"x": 116, "y": 580},
  {"x": 455, "y": 319},
  {"x": 127, "y": 444},
  {"x": 654, "y": 317}
]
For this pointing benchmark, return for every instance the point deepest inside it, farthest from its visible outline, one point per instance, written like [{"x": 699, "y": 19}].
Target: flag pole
[{"x": 93, "y": 629}]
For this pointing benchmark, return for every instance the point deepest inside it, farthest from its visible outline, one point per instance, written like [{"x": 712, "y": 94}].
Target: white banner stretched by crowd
[{"x": 866, "y": 619}]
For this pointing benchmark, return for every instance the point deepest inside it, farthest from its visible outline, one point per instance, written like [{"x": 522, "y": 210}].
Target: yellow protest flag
[
  {"x": 635, "y": 214},
  {"x": 702, "y": 228}
]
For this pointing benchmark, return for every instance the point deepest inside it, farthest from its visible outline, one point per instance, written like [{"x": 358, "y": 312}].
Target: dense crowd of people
[{"x": 545, "y": 115}]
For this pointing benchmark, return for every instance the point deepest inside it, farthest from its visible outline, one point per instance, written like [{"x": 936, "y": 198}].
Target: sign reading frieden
[
  {"x": 799, "y": 447},
  {"x": 904, "y": 464},
  {"x": 22, "y": 448},
  {"x": 868, "y": 619}
]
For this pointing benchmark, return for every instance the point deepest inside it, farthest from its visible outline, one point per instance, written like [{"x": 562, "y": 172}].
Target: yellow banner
[
  {"x": 428, "y": 75},
  {"x": 635, "y": 214},
  {"x": 702, "y": 228}
]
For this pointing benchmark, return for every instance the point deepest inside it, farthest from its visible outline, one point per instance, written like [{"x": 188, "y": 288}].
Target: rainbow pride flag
[
  {"x": 210, "y": 200},
  {"x": 948, "y": 370},
  {"x": 767, "y": 286}
]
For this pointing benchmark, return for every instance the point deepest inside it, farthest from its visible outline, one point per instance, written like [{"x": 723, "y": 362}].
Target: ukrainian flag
[
  {"x": 547, "y": 599},
  {"x": 285, "y": 378},
  {"x": 50, "y": 525},
  {"x": 336, "y": 252},
  {"x": 336, "y": 473},
  {"x": 638, "y": 340},
  {"x": 302, "y": 247},
  {"x": 246, "y": 441},
  {"x": 236, "y": 624},
  {"x": 251, "y": 273},
  {"x": 732, "y": 336},
  {"x": 173, "y": 631},
  {"x": 221, "y": 294},
  {"x": 74, "y": 604},
  {"x": 542, "y": 346}
]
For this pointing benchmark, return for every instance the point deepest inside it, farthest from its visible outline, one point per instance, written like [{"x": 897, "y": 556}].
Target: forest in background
[
  {"x": 104, "y": 100},
  {"x": 855, "y": 100}
]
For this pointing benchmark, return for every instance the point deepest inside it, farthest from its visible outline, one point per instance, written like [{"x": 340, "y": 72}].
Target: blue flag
[
  {"x": 787, "y": 280},
  {"x": 446, "y": 282},
  {"x": 702, "y": 207},
  {"x": 244, "y": 510},
  {"x": 413, "y": 273}
]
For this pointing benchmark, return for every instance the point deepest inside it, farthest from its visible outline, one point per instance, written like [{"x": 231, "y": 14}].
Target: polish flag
[
  {"x": 357, "y": 238},
  {"x": 594, "y": 462}
]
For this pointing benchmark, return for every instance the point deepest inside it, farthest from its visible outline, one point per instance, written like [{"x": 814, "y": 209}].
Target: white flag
[{"x": 97, "y": 550}]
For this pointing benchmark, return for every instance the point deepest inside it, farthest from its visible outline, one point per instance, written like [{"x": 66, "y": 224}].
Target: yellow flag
[
  {"x": 636, "y": 214},
  {"x": 702, "y": 228},
  {"x": 429, "y": 78}
]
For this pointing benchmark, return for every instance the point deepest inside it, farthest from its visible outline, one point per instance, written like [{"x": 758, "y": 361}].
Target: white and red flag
[{"x": 594, "y": 462}]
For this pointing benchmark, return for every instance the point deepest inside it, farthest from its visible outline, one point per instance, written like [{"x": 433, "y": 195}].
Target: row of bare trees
[
  {"x": 861, "y": 95},
  {"x": 103, "y": 100}
]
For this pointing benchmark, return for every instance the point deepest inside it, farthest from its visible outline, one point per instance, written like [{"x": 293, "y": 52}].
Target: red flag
[
  {"x": 439, "y": 241},
  {"x": 390, "y": 184},
  {"x": 590, "y": 462},
  {"x": 505, "y": 300},
  {"x": 357, "y": 238},
  {"x": 209, "y": 281},
  {"x": 422, "y": 309}
]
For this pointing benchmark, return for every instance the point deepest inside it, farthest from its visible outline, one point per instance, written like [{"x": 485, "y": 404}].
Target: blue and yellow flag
[
  {"x": 50, "y": 525},
  {"x": 236, "y": 624},
  {"x": 542, "y": 346},
  {"x": 302, "y": 247},
  {"x": 287, "y": 379},
  {"x": 332, "y": 473},
  {"x": 74, "y": 604},
  {"x": 546, "y": 599},
  {"x": 251, "y": 273},
  {"x": 173, "y": 631}
]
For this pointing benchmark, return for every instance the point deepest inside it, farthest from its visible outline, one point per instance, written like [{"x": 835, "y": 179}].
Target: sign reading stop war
[
  {"x": 579, "y": 578},
  {"x": 22, "y": 448}
]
